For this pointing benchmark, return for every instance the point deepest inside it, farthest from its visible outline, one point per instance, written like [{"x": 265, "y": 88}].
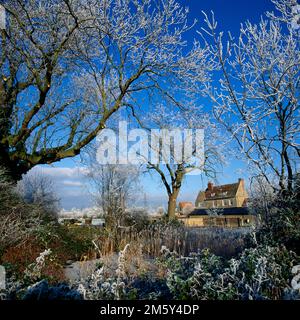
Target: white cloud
[
  {"x": 70, "y": 183},
  {"x": 63, "y": 172}
]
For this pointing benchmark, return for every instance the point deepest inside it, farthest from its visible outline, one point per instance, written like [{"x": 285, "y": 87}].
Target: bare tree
[
  {"x": 262, "y": 197},
  {"x": 66, "y": 66},
  {"x": 36, "y": 188},
  {"x": 257, "y": 96},
  {"x": 114, "y": 186},
  {"x": 18, "y": 220},
  {"x": 174, "y": 165}
]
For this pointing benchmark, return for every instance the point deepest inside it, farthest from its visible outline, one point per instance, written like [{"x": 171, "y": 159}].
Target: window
[{"x": 230, "y": 202}]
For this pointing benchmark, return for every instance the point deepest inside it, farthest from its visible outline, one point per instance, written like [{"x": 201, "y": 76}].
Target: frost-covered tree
[
  {"x": 18, "y": 220},
  {"x": 177, "y": 131},
  {"x": 37, "y": 188},
  {"x": 256, "y": 92},
  {"x": 114, "y": 186},
  {"x": 66, "y": 66}
]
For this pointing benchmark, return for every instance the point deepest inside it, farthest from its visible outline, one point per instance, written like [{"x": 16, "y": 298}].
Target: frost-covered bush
[
  {"x": 282, "y": 227},
  {"x": 34, "y": 271},
  {"x": 98, "y": 287},
  {"x": 150, "y": 288},
  {"x": 280, "y": 217},
  {"x": 263, "y": 272},
  {"x": 43, "y": 291},
  {"x": 259, "y": 273},
  {"x": 40, "y": 290}
]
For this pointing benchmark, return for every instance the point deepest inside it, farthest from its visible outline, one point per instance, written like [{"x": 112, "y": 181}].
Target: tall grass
[{"x": 221, "y": 241}]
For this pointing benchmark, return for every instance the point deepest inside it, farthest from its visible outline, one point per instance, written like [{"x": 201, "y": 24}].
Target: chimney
[{"x": 210, "y": 186}]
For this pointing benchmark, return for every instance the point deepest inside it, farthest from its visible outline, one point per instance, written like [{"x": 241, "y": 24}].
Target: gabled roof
[
  {"x": 222, "y": 192},
  {"x": 225, "y": 191}
]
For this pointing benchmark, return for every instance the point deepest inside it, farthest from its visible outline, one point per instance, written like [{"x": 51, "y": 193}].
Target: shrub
[
  {"x": 68, "y": 242},
  {"x": 97, "y": 287},
  {"x": 43, "y": 291},
  {"x": 21, "y": 258},
  {"x": 280, "y": 217},
  {"x": 259, "y": 273},
  {"x": 65, "y": 243},
  {"x": 283, "y": 228}
]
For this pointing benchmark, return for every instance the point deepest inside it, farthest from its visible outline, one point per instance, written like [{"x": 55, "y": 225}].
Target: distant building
[
  {"x": 93, "y": 212},
  {"x": 98, "y": 222},
  {"x": 185, "y": 207},
  {"x": 223, "y": 196}
]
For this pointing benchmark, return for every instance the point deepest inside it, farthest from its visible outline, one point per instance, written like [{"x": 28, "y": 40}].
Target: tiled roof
[
  {"x": 221, "y": 192},
  {"x": 184, "y": 204}
]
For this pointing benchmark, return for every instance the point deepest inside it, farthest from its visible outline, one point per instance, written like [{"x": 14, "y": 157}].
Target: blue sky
[{"x": 70, "y": 182}]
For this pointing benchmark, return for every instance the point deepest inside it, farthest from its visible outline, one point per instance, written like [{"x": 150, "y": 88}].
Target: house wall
[
  {"x": 234, "y": 221},
  {"x": 220, "y": 203},
  {"x": 193, "y": 221},
  {"x": 236, "y": 201},
  {"x": 241, "y": 194}
]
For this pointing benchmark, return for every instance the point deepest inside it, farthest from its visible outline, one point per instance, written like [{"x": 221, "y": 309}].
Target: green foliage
[{"x": 68, "y": 242}]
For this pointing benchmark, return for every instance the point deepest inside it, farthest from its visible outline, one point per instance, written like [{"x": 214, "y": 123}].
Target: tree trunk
[
  {"x": 12, "y": 169},
  {"x": 172, "y": 205}
]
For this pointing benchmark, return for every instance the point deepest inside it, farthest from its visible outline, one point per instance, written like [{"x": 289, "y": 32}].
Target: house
[
  {"x": 99, "y": 222},
  {"x": 220, "y": 206},
  {"x": 224, "y": 196}
]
